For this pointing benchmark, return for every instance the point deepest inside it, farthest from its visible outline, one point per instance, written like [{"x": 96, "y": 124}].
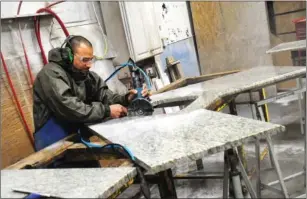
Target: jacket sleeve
[
  {"x": 104, "y": 94},
  {"x": 64, "y": 105}
]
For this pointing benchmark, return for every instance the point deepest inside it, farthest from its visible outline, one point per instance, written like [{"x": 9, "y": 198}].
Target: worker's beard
[{"x": 79, "y": 75}]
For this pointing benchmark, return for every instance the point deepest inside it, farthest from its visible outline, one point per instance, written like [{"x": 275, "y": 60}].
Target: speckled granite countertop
[
  {"x": 287, "y": 46},
  {"x": 205, "y": 93},
  {"x": 65, "y": 183},
  {"x": 159, "y": 141}
]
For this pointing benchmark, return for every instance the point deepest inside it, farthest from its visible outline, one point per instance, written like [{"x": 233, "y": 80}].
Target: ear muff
[
  {"x": 66, "y": 52},
  {"x": 67, "y": 55},
  {"x": 70, "y": 54}
]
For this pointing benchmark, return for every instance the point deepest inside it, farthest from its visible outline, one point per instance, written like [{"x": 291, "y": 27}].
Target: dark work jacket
[{"x": 69, "y": 96}]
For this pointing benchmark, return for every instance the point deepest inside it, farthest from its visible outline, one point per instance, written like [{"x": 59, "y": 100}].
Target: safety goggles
[{"x": 86, "y": 59}]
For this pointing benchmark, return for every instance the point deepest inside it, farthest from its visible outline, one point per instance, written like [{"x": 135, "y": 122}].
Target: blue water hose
[
  {"x": 129, "y": 64},
  {"x": 107, "y": 146},
  {"x": 91, "y": 145}
]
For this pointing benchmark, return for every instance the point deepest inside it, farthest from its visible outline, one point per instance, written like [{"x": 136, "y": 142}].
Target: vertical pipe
[{"x": 16, "y": 100}]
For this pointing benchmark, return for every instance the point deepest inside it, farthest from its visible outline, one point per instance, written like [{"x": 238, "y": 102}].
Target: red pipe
[
  {"x": 39, "y": 41},
  {"x": 37, "y": 29},
  {"x": 56, "y": 17},
  {"x": 17, "y": 101},
  {"x": 24, "y": 48},
  {"x": 37, "y": 32},
  {"x": 54, "y": 3}
]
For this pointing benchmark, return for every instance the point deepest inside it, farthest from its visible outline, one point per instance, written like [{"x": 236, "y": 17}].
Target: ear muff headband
[{"x": 67, "y": 53}]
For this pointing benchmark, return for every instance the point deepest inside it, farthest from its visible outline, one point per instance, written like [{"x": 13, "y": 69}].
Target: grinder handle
[{"x": 139, "y": 94}]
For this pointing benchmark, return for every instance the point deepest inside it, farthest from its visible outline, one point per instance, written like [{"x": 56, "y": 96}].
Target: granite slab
[
  {"x": 158, "y": 142},
  {"x": 206, "y": 93},
  {"x": 287, "y": 46},
  {"x": 65, "y": 183}
]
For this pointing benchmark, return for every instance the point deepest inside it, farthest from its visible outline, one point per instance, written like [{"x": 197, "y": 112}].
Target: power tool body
[{"x": 140, "y": 106}]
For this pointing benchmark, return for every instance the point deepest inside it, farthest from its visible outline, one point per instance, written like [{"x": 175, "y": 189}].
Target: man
[{"x": 66, "y": 94}]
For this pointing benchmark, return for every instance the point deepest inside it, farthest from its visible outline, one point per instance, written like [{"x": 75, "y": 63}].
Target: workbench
[
  {"x": 214, "y": 93},
  {"x": 159, "y": 141}
]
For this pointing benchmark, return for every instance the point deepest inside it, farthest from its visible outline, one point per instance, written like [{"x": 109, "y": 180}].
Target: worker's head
[{"x": 82, "y": 50}]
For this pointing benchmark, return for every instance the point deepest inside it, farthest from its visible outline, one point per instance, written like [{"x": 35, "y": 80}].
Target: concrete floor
[{"x": 289, "y": 147}]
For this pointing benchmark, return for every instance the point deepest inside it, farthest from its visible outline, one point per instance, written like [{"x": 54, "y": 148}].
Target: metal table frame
[
  {"x": 302, "y": 100},
  {"x": 257, "y": 112},
  {"x": 235, "y": 179},
  {"x": 247, "y": 187}
]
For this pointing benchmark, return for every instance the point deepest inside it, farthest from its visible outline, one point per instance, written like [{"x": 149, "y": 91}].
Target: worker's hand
[
  {"x": 145, "y": 92},
  {"x": 118, "y": 111},
  {"x": 133, "y": 93}
]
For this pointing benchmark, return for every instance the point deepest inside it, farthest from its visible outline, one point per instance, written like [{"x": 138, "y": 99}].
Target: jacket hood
[{"x": 54, "y": 56}]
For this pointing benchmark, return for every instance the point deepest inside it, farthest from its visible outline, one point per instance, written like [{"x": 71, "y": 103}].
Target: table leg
[
  {"x": 166, "y": 185},
  {"x": 199, "y": 164},
  {"x": 301, "y": 104},
  {"x": 276, "y": 165},
  {"x": 258, "y": 180},
  {"x": 233, "y": 111},
  {"x": 226, "y": 176}
]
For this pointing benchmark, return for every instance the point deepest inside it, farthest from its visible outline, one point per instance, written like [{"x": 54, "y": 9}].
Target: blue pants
[{"x": 52, "y": 132}]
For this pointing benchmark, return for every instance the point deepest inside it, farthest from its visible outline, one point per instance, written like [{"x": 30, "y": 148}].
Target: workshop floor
[{"x": 289, "y": 147}]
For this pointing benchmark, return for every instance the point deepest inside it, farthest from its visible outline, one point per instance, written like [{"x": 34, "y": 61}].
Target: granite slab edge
[
  {"x": 119, "y": 184},
  {"x": 104, "y": 193},
  {"x": 266, "y": 82},
  {"x": 174, "y": 100},
  {"x": 198, "y": 103},
  {"x": 214, "y": 150}
]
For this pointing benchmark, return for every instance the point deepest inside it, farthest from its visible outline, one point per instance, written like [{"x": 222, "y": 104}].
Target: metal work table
[
  {"x": 159, "y": 141},
  {"x": 208, "y": 94},
  {"x": 301, "y": 92},
  {"x": 200, "y": 95},
  {"x": 205, "y": 94},
  {"x": 65, "y": 183}
]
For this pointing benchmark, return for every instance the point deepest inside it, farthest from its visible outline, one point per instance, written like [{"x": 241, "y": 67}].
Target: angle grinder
[{"x": 140, "y": 106}]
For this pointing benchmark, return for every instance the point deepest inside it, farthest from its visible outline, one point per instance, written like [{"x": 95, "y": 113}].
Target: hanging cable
[
  {"x": 16, "y": 100},
  {"x": 104, "y": 36},
  {"x": 133, "y": 65}
]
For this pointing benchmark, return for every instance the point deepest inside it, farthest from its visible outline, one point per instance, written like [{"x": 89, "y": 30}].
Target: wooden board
[
  {"x": 72, "y": 152},
  {"x": 45, "y": 155},
  {"x": 192, "y": 80}
]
